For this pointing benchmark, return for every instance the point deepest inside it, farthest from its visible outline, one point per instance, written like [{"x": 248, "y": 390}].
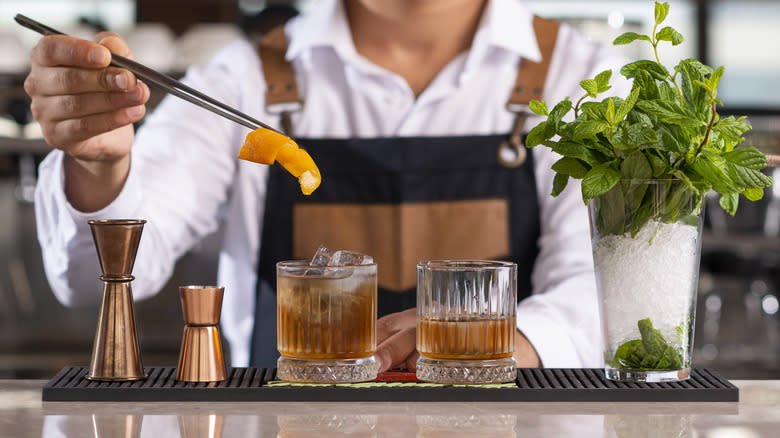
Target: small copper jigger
[
  {"x": 200, "y": 358},
  {"x": 115, "y": 354}
]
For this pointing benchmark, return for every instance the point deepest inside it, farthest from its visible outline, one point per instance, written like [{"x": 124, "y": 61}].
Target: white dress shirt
[{"x": 184, "y": 178}]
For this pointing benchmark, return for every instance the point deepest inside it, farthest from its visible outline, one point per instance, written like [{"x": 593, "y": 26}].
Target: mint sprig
[
  {"x": 650, "y": 353},
  {"x": 667, "y": 127}
]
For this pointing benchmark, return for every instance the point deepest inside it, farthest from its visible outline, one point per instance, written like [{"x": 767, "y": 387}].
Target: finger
[
  {"x": 73, "y": 106},
  {"x": 54, "y": 81},
  {"x": 114, "y": 43},
  {"x": 63, "y": 50},
  {"x": 75, "y": 130},
  {"x": 391, "y": 324},
  {"x": 396, "y": 349},
  {"x": 411, "y": 361}
]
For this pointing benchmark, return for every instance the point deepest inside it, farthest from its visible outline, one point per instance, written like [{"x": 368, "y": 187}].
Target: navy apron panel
[{"x": 392, "y": 171}]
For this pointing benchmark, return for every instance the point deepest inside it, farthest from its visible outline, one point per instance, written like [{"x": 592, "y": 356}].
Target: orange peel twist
[{"x": 264, "y": 146}]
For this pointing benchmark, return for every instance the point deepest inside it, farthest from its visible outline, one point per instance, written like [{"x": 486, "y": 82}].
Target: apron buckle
[{"x": 511, "y": 152}]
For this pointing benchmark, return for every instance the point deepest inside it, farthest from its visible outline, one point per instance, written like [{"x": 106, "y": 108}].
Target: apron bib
[{"x": 400, "y": 200}]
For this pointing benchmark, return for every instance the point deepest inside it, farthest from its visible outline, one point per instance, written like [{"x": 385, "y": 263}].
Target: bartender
[{"x": 413, "y": 111}]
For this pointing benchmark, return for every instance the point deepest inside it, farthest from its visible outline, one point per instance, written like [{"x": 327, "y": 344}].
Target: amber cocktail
[
  {"x": 466, "y": 321},
  {"x": 326, "y": 322}
]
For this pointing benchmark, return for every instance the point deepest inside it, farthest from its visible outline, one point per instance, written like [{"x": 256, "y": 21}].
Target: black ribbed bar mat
[{"x": 250, "y": 384}]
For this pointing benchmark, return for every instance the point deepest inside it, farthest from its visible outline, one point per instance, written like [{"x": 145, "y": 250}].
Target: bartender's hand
[
  {"x": 87, "y": 109},
  {"x": 396, "y": 340},
  {"x": 397, "y": 343}
]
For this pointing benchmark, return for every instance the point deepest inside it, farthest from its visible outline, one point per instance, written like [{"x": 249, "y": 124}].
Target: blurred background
[{"x": 737, "y": 323}]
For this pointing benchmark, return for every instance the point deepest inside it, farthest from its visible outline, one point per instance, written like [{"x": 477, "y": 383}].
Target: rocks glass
[
  {"x": 466, "y": 321},
  {"x": 326, "y": 322}
]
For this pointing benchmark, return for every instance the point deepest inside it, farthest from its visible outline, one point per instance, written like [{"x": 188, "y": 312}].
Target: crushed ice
[{"x": 643, "y": 278}]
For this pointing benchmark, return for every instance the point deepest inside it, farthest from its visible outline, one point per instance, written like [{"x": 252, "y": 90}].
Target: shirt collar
[
  {"x": 325, "y": 25},
  {"x": 506, "y": 24}
]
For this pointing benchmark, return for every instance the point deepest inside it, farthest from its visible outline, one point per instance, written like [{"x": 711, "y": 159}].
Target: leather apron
[{"x": 400, "y": 200}]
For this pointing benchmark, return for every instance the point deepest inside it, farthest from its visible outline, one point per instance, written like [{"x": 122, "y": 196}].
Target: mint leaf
[
  {"x": 753, "y": 194},
  {"x": 749, "y": 157},
  {"x": 590, "y": 86},
  {"x": 636, "y": 166},
  {"x": 575, "y": 150},
  {"x": 729, "y": 202},
  {"x": 602, "y": 81},
  {"x": 716, "y": 76},
  {"x": 661, "y": 11},
  {"x": 599, "y": 180},
  {"x": 652, "y": 338},
  {"x": 594, "y": 110},
  {"x": 656, "y": 70},
  {"x": 645, "y": 82},
  {"x": 539, "y": 134},
  {"x": 669, "y": 112},
  {"x": 714, "y": 174},
  {"x": 628, "y": 104},
  {"x": 626, "y": 355},
  {"x": 692, "y": 74},
  {"x": 669, "y": 34},
  {"x": 669, "y": 141},
  {"x": 666, "y": 92},
  {"x": 560, "y": 109},
  {"x": 658, "y": 164},
  {"x": 538, "y": 107},
  {"x": 570, "y": 166},
  {"x": 559, "y": 183},
  {"x": 629, "y": 37},
  {"x": 741, "y": 166},
  {"x": 610, "y": 113},
  {"x": 610, "y": 211},
  {"x": 588, "y": 128},
  {"x": 700, "y": 69},
  {"x": 706, "y": 85},
  {"x": 670, "y": 360},
  {"x": 731, "y": 130},
  {"x": 634, "y": 136}
]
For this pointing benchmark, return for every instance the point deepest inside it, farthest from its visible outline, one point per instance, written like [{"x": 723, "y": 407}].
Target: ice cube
[
  {"x": 349, "y": 258},
  {"x": 321, "y": 256},
  {"x": 314, "y": 272}
]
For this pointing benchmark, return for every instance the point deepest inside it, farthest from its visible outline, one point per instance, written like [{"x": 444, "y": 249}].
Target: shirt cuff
[
  {"x": 124, "y": 206},
  {"x": 548, "y": 337}
]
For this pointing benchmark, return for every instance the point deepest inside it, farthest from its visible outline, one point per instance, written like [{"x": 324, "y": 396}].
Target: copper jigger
[
  {"x": 115, "y": 354},
  {"x": 200, "y": 358}
]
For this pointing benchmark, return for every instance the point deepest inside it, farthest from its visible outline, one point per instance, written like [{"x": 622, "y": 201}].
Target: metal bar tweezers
[{"x": 163, "y": 81}]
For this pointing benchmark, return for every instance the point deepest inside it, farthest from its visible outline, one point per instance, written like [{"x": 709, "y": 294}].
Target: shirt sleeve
[
  {"x": 182, "y": 166},
  {"x": 561, "y": 318}
]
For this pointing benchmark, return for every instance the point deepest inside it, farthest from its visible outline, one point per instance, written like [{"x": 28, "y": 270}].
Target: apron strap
[
  {"x": 281, "y": 96},
  {"x": 531, "y": 76}
]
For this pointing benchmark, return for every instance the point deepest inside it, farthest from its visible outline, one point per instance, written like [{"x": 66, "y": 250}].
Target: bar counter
[{"x": 24, "y": 415}]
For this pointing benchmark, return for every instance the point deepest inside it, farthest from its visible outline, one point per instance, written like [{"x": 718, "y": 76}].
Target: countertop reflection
[{"x": 22, "y": 415}]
